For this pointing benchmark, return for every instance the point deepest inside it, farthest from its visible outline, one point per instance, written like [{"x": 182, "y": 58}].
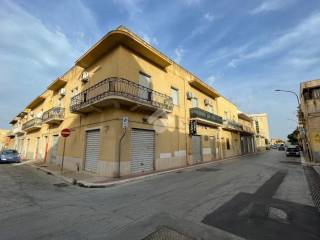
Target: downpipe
[{"x": 119, "y": 149}]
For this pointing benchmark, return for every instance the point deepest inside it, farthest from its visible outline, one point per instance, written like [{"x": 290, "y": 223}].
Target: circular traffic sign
[{"x": 65, "y": 132}]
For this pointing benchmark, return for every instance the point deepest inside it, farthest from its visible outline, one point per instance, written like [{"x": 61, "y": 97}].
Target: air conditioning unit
[
  {"x": 62, "y": 92},
  {"x": 189, "y": 95},
  {"x": 85, "y": 77},
  {"x": 206, "y": 101}
]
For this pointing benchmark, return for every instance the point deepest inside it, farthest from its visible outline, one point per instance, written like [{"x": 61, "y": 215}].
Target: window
[
  {"x": 74, "y": 92},
  {"x": 210, "y": 108},
  {"x": 225, "y": 115},
  {"x": 175, "y": 96},
  {"x": 228, "y": 143},
  {"x": 194, "y": 102},
  {"x": 316, "y": 93}
]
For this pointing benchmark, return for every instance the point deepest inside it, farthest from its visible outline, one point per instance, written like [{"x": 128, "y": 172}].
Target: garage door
[
  {"x": 142, "y": 150},
  {"x": 196, "y": 149},
  {"x": 92, "y": 150},
  {"x": 54, "y": 148}
]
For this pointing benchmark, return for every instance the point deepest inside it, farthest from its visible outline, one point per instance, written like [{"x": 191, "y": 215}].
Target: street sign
[
  {"x": 193, "y": 127},
  {"x": 65, "y": 132},
  {"x": 125, "y": 122}
]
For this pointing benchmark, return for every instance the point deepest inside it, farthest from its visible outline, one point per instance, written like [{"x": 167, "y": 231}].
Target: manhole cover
[
  {"x": 61, "y": 184},
  {"x": 165, "y": 233},
  {"x": 207, "y": 169}
]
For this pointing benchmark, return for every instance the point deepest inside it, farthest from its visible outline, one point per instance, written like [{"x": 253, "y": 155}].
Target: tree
[{"x": 293, "y": 137}]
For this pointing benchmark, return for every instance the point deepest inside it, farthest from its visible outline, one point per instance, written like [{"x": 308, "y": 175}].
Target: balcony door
[{"x": 145, "y": 82}]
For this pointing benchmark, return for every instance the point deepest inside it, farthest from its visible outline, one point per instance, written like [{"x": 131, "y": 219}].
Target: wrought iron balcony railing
[
  {"x": 233, "y": 125},
  {"x": 119, "y": 88},
  {"x": 248, "y": 129},
  {"x": 17, "y": 129},
  {"x": 32, "y": 124},
  {"x": 53, "y": 115},
  {"x": 204, "y": 115}
]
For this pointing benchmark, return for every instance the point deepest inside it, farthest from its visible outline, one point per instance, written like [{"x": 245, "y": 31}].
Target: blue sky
[{"x": 245, "y": 49}]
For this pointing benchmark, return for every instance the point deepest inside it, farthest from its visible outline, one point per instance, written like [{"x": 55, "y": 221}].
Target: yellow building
[
  {"x": 130, "y": 110},
  {"x": 310, "y": 119},
  {"x": 261, "y": 127},
  {"x": 5, "y": 140}
]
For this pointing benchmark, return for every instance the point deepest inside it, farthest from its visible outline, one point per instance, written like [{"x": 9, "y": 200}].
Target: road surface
[{"x": 262, "y": 196}]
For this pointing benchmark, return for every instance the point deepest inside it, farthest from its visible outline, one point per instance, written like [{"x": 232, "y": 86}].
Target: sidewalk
[{"x": 85, "y": 179}]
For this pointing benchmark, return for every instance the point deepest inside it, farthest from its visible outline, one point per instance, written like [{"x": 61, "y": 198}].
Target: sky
[{"x": 244, "y": 49}]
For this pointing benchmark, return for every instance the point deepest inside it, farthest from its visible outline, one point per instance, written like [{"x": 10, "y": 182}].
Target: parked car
[
  {"x": 293, "y": 150},
  {"x": 281, "y": 147},
  {"x": 9, "y": 156}
]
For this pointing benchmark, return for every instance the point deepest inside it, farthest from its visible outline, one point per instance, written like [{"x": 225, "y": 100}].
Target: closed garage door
[
  {"x": 142, "y": 150},
  {"x": 54, "y": 148},
  {"x": 92, "y": 150},
  {"x": 196, "y": 149}
]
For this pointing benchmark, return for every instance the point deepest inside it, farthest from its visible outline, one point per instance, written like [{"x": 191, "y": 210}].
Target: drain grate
[
  {"x": 207, "y": 169},
  {"x": 165, "y": 233},
  {"x": 313, "y": 179},
  {"x": 61, "y": 184}
]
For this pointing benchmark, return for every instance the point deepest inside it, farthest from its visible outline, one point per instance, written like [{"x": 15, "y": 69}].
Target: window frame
[{"x": 177, "y": 92}]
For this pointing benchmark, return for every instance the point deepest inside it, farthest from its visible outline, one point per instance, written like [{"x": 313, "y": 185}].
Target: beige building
[
  {"x": 5, "y": 139},
  {"x": 310, "y": 119},
  {"x": 261, "y": 128},
  {"x": 130, "y": 110}
]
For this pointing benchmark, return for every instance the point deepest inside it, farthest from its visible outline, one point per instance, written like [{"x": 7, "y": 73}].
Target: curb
[
  {"x": 133, "y": 179},
  {"x": 72, "y": 181},
  {"x": 86, "y": 184}
]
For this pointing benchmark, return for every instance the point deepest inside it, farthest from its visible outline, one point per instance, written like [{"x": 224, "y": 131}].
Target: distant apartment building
[
  {"x": 131, "y": 110},
  {"x": 261, "y": 127},
  {"x": 310, "y": 119}
]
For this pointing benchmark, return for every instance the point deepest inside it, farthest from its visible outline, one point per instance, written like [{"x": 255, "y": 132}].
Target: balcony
[
  {"x": 32, "y": 125},
  {"x": 17, "y": 130},
  {"x": 232, "y": 125},
  {"x": 53, "y": 116},
  {"x": 205, "y": 117},
  {"x": 123, "y": 91},
  {"x": 248, "y": 130}
]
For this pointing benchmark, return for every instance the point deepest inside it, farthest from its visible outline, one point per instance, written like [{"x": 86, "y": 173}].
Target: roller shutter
[
  {"x": 196, "y": 149},
  {"x": 92, "y": 150},
  {"x": 142, "y": 150}
]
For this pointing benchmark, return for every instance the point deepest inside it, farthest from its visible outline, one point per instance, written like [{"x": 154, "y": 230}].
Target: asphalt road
[{"x": 263, "y": 196}]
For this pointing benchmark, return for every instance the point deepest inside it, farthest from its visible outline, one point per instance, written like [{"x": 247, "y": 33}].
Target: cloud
[
  {"x": 292, "y": 42},
  {"x": 192, "y": 2},
  {"x": 211, "y": 79},
  {"x": 178, "y": 52},
  {"x": 31, "y": 56},
  {"x": 270, "y": 5},
  {"x": 210, "y": 17},
  {"x": 149, "y": 39},
  {"x": 132, "y": 7}
]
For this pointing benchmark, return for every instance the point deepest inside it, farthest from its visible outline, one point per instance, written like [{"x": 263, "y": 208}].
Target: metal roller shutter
[
  {"x": 54, "y": 148},
  {"x": 196, "y": 149},
  {"x": 142, "y": 150},
  {"x": 92, "y": 150}
]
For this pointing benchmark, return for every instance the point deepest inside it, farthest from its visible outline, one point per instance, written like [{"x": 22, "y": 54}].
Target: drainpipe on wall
[{"x": 119, "y": 147}]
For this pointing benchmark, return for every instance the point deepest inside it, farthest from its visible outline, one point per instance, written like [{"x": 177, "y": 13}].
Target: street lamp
[{"x": 280, "y": 90}]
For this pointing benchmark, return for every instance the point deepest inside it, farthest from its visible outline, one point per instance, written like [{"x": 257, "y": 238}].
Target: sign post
[
  {"x": 64, "y": 133},
  {"x": 193, "y": 127}
]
